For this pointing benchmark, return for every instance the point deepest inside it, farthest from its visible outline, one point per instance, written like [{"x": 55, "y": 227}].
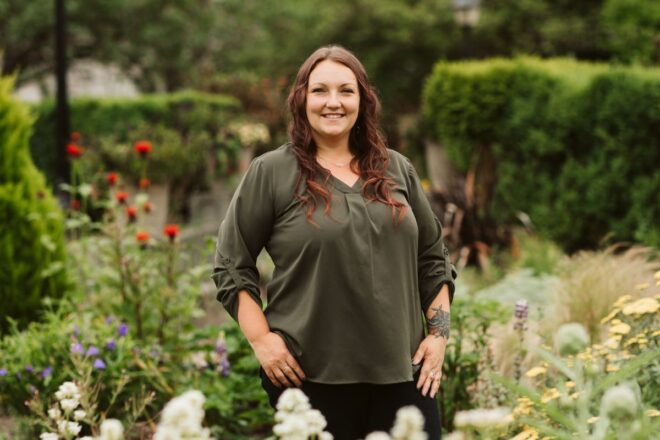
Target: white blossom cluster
[
  {"x": 182, "y": 418},
  {"x": 482, "y": 419},
  {"x": 296, "y": 418},
  {"x": 408, "y": 425},
  {"x": 251, "y": 134}
]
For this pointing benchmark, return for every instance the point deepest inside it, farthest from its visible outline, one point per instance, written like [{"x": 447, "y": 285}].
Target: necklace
[{"x": 337, "y": 164}]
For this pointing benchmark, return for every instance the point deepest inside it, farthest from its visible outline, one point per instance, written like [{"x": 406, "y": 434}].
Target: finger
[
  {"x": 291, "y": 375},
  {"x": 434, "y": 388},
  {"x": 419, "y": 355},
  {"x": 283, "y": 379},
  {"x": 291, "y": 361},
  {"x": 427, "y": 385},
  {"x": 273, "y": 378},
  {"x": 422, "y": 377}
]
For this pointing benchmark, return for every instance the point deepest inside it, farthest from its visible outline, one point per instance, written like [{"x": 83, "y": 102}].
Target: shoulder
[
  {"x": 281, "y": 156},
  {"x": 399, "y": 163}
]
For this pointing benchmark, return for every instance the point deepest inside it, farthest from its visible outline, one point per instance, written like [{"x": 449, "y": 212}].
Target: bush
[
  {"x": 31, "y": 232},
  {"x": 575, "y": 143}
]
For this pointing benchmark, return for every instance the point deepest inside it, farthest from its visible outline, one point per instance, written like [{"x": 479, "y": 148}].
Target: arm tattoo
[{"x": 438, "y": 324}]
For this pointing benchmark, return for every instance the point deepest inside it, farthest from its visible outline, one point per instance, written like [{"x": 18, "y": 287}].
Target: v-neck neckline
[{"x": 345, "y": 187}]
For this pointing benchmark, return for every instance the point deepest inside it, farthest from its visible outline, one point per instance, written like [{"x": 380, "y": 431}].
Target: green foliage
[
  {"x": 634, "y": 28},
  {"x": 575, "y": 143},
  {"x": 470, "y": 323},
  {"x": 183, "y": 127},
  {"x": 31, "y": 233}
]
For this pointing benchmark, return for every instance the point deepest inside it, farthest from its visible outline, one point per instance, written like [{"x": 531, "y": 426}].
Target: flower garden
[{"x": 543, "y": 172}]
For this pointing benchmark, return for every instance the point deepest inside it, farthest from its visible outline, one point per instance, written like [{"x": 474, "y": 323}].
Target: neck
[{"x": 332, "y": 148}]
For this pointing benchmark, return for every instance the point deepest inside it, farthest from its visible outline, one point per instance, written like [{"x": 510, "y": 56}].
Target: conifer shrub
[{"x": 31, "y": 222}]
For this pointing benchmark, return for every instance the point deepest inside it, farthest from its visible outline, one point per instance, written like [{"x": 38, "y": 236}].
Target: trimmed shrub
[
  {"x": 575, "y": 144},
  {"x": 31, "y": 223}
]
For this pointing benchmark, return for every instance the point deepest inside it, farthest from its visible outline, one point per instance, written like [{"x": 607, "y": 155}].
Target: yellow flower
[
  {"x": 527, "y": 434},
  {"x": 612, "y": 368},
  {"x": 655, "y": 333},
  {"x": 611, "y": 315},
  {"x": 575, "y": 395},
  {"x": 657, "y": 283},
  {"x": 621, "y": 301},
  {"x": 550, "y": 394},
  {"x": 657, "y": 275},
  {"x": 642, "y": 306},
  {"x": 642, "y": 286},
  {"x": 536, "y": 371},
  {"x": 620, "y": 329},
  {"x": 591, "y": 420},
  {"x": 652, "y": 412},
  {"x": 612, "y": 343},
  {"x": 426, "y": 185},
  {"x": 570, "y": 384}
]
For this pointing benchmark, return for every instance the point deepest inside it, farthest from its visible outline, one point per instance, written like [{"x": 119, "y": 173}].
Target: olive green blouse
[{"x": 349, "y": 296}]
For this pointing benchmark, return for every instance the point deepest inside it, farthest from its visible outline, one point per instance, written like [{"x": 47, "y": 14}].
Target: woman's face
[{"x": 333, "y": 100}]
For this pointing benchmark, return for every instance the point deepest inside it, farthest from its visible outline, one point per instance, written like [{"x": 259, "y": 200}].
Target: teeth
[{"x": 332, "y": 116}]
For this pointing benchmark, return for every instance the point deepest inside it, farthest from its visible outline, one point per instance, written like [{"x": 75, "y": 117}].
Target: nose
[{"x": 333, "y": 100}]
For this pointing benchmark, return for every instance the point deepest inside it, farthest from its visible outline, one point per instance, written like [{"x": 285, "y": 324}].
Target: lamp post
[
  {"x": 62, "y": 131},
  {"x": 466, "y": 15}
]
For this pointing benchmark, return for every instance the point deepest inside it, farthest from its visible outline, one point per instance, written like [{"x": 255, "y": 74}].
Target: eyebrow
[{"x": 341, "y": 85}]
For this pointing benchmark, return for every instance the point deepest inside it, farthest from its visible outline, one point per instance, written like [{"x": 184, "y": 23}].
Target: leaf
[
  {"x": 555, "y": 361},
  {"x": 630, "y": 368}
]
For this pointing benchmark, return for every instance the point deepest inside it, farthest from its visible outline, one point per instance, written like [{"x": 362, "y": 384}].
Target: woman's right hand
[{"x": 281, "y": 368}]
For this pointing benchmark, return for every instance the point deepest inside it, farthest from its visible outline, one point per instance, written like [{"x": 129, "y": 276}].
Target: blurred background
[{"x": 125, "y": 127}]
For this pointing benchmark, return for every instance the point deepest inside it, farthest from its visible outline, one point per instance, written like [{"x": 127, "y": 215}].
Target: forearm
[
  {"x": 437, "y": 315},
  {"x": 251, "y": 318}
]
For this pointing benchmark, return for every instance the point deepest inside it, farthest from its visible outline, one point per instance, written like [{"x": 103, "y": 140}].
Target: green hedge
[
  {"x": 577, "y": 144},
  {"x": 183, "y": 127},
  {"x": 31, "y": 223}
]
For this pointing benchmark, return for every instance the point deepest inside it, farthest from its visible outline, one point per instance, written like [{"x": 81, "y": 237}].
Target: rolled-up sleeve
[
  {"x": 242, "y": 235},
  {"x": 434, "y": 265}
]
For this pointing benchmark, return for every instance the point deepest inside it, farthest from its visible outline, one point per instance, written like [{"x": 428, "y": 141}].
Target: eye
[
  {"x": 316, "y": 90},
  {"x": 347, "y": 90}
]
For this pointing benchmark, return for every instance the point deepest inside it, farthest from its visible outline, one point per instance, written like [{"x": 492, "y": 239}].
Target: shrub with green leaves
[
  {"x": 31, "y": 231},
  {"x": 575, "y": 144}
]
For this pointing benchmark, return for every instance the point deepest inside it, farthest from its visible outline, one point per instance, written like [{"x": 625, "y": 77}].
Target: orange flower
[
  {"x": 147, "y": 207},
  {"x": 111, "y": 178},
  {"x": 171, "y": 231},
  {"x": 143, "y": 148},
  {"x": 74, "y": 151},
  {"x": 131, "y": 212},
  {"x": 121, "y": 197},
  {"x": 145, "y": 183},
  {"x": 75, "y": 136},
  {"x": 142, "y": 236}
]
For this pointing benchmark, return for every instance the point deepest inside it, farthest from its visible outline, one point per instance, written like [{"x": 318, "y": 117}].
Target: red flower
[
  {"x": 74, "y": 204},
  {"x": 145, "y": 183},
  {"x": 142, "y": 236},
  {"x": 131, "y": 212},
  {"x": 111, "y": 178},
  {"x": 121, "y": 197},
  {"x": 143, "y": 148},
  {"x": 74, "y": 151},
  {"x": 147, "y": 207},
  {"x": 171, "y": 231},
  {"x": 75, "y": 136}
]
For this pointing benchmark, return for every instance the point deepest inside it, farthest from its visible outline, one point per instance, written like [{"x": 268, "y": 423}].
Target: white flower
[
  {"x": 483, "y": 418},
  {"x": 378, "y": 435},
  {"x": 571, "y": 338},
  {"x": 619, "y": 403},
  {"x": 182, "y": 418},
  {"x": 292, "y": 427},
  {"x": 86, "y": 438},
  {"x": 315, "y": 421},
  {"x": 325, "y": 435},
  {"x": 54, "y": 413},
  {"x": 49, "y": 436},
  {"x": 69, "y": 405},
  {"x": 112, "y": 429},
  {"x": 293, "y": 400},
  {"x": 166, "y": 433},
  {"x": 409, "y": 424},
  {"x": 68, "y": 390},
  {"x": 67, "y": 428},
  {"x": 79, "y": 414},
  {"x": 178, "y": 411},
  {"x": 194, "y": 398}
]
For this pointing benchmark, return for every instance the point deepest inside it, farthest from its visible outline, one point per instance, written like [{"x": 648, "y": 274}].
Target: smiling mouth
[{"x": 332, "y": 116}]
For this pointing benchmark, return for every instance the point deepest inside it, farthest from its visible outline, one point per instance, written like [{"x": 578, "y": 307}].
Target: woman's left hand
[{"x": 432, "y": 353}]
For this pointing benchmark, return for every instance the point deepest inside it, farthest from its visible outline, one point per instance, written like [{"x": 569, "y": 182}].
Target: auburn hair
[{"x": 366, "y": 142}]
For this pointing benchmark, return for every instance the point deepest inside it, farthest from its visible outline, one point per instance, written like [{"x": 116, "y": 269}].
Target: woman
[{"x": 359, "y": 260}]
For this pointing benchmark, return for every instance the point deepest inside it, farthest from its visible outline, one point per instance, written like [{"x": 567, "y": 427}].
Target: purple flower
[
  {"x": 29, "y": 368},
  {"x": 109, "y": 319},
  {"x": 76, "y": 331},
  {"x": 92, "y": 351},
  {"x": 111, "y": 345},
  {"x": 77, "y": 348},
  {"x": 99, "y": 364},
  {"x": 221, "y": 347},
  {"x": 522, "y": 308},
  {"x": 47, "y": 371},
  {"x": 224, "y": 366},
  {"x": 3, "y": 372},
  {"x": 123, "y": 330}
]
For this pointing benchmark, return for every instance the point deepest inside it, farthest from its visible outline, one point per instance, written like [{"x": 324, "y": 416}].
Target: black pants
[{"x": 354, "y": 410}]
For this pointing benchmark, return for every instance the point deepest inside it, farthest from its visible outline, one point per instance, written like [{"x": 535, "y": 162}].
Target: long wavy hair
[{"x": 366, "y": 142}]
